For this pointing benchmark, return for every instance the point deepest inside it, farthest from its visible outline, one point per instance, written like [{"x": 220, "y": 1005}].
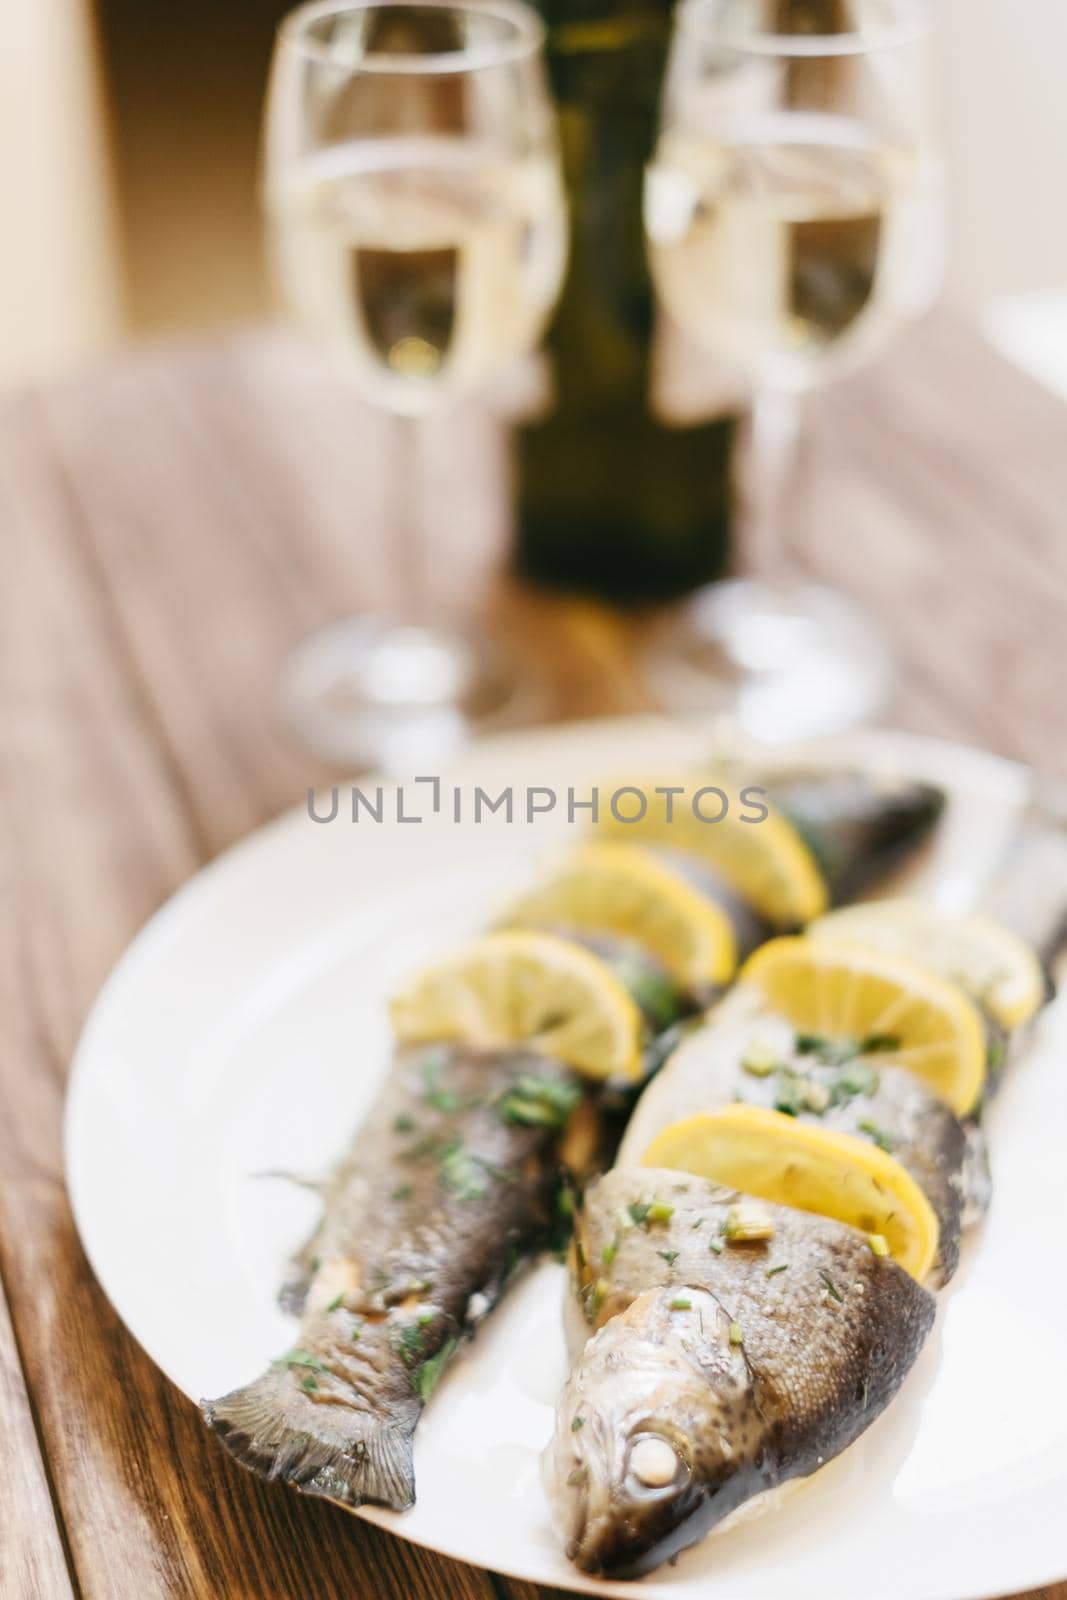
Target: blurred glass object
[
  {"x": 418, "y": 234},
  {"x": 793, "y": 211}
]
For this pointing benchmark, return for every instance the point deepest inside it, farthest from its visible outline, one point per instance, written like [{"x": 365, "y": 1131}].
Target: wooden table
[{"x": 170, "y": 528}]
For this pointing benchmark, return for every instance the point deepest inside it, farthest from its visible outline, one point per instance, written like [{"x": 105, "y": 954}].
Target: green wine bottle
[{"x": 614, "y": 500}]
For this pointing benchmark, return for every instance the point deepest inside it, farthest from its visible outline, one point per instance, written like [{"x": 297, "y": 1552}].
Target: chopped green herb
[
  {"x": 812, "y": 1044},
  {"x": 831, "y": 1287},
  {"x": 858, "y": 1078},
  {"x": 405, "y": 1192},
  {"x": 336, "y": 1303},
  {"x": 879, "y": 1044},
  {"x": 883, "y": 1140},
  {"x": 300, "y": 1358},
  {"x": 576, "y": 1423},
  {"x": 308, "y": 1384},
  {"x": 424, "y": 1318},
  {"x": 715, "y": 1246},
  {"x": 538, "y": 1102},
  {"x": 408, "y": 1344},
  {"x": 424, "y": 1379},
  {"x": 639, "y": 1211},
  {"x": 839, "y": 1052},
  {"x": 314, "y": 1264},
  {"x": 831, "y": 1052},
  {"x": 795, "y": 1092},
  {"x": 465, "y": 1174},
  {"x": 669, "y": 1256},
  {"x": 737, "y": 1334},
  {"x": 681, "y": 1304},
  {"x": 781, "y": 1266},
  {"x": 404, "y": 1124},
  {"x": 357, "y": 1332},
  {"x": 608, "y": 1254},
  {"x": 698, "y": 1223},
  {"x": 443, "y": 1099},
  {"x": 790, "y": 1096}
]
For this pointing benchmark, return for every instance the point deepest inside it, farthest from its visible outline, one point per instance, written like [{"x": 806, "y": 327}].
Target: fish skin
[
  {"x": 418, "y": 1246},
  {"x": 810, "y": 1373},
  {"x": 859, "y": 826},
  {"x": 706, "y": 1072},
  {"x": 1028, "y": 893}
]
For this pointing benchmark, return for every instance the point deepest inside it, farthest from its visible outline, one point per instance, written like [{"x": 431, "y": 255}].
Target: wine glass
[
  {"x": 418, "y": 233},
  {"x": 793, "y": 222}
]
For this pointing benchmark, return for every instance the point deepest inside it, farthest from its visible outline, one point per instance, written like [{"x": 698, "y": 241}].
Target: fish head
[{"x": 654, "y": 1426}]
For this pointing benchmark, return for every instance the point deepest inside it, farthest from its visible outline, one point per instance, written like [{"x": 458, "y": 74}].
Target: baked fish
[
  {"x": 450, "y": 1183},
  {"x": 713, "y": 1371}
]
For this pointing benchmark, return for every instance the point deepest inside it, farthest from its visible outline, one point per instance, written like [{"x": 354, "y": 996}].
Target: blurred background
[{"x": 128, "y": 163}]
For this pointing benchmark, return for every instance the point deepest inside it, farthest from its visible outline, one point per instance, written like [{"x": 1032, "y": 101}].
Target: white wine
[
  {"x": 794, "y": 249},
  {"x": 427, "y": 263}
]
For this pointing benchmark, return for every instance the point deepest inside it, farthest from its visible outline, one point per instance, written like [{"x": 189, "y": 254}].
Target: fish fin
[{"x": 353, "y": 1457}]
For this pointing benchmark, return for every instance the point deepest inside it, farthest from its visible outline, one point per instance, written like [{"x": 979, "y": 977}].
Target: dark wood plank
[{"x": 32, "y": 1560}]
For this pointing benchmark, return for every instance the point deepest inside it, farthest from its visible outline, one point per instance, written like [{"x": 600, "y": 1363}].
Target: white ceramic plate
[{"x": 243, "y": 1033}]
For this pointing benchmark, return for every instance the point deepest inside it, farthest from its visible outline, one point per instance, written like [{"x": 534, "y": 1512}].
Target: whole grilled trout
[
  {"x": 712, "y": 1374},
  {"x": 450, "y": 1183}
]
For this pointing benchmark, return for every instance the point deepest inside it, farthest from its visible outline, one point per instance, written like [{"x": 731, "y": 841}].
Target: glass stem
[
  {"x": 771, "y": 486},
  {"x": 407, "y": 531}
]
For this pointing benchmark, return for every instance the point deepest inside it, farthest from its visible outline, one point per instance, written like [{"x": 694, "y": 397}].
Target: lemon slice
[
  {"x": 766, "y": 862},
  {"x": 991, "y": 963},
  {"x": 844, "y": 991},
  {"x": 623, "y": 890},
  {"x": 791, "y": 1163},
  {"x": 528, "y": 988}
]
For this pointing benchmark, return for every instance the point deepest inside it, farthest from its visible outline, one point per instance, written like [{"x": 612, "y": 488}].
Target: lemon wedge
[
  {"x": 913, "y": 1017},
  {"x": 790, "y": 1163},
  {"x": 766, "y": 862},
  {"x": 531, "y": 989},
  {"x": 624, "y": 890},
  {"x": 994, "y": 966}
]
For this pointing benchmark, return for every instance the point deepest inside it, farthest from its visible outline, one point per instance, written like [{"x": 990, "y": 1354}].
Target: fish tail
[{"x": 278, "y": 1431}]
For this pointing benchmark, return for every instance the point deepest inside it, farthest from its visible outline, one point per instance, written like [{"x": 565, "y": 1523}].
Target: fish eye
[{"x": 654, "y": 1462}]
